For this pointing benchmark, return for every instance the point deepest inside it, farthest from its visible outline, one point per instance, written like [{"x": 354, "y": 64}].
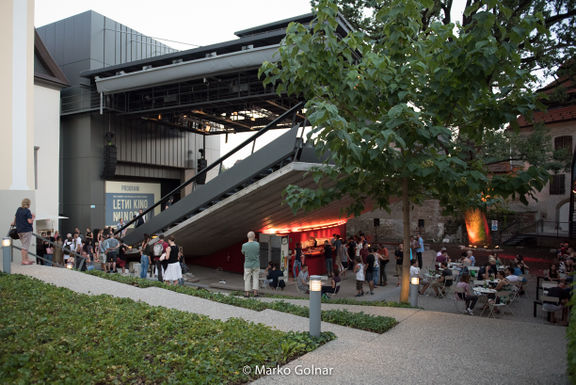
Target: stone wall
[{"x": 426, "y": 218}]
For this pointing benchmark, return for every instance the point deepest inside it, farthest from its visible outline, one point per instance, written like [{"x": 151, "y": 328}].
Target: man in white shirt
[{"x": 414, "y": 270}]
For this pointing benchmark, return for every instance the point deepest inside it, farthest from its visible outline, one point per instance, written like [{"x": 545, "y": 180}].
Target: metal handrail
[
  {"x": 251, "y": 139},
  {"x": 61, "y": 247}
]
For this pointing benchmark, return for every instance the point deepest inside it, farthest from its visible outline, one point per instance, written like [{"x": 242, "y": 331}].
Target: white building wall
[{"x": 47, "y": 138}]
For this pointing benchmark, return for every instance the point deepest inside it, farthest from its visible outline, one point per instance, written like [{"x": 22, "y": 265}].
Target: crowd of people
[{"x": 158, "y": 256}]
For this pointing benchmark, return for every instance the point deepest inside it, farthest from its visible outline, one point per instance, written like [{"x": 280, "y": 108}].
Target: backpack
[{"x": 158, "y": 249}]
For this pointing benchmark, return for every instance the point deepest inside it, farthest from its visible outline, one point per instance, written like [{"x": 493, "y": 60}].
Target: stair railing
[{"x": 218, "y": 163}]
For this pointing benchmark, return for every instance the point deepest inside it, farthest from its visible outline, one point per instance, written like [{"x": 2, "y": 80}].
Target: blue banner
[{"x": 125, "y": 206}]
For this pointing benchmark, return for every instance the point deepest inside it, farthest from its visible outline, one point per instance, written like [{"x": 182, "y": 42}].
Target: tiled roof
[{"x": 553, "y": 115}]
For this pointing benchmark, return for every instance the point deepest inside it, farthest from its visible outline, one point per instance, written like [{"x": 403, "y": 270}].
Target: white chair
[{"x": 503, "y": 298}]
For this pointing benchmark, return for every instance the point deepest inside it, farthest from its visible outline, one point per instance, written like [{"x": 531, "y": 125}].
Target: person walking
[
  {"x": 251, "y": 252},
  {"x": 23, "y": 220}
]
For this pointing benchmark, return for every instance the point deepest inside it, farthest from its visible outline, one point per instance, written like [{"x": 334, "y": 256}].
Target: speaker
[
  {"x": 110, "y": 160},
  {"x": 202, "y": 164},
  {"x": 376, "y": 222}
]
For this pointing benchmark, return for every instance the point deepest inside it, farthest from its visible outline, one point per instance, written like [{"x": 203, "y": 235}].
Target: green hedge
[
  {"x": 337, "y": 301},
  {"x": 53, "y": 335},
  {"x": 368, "y": 322}
]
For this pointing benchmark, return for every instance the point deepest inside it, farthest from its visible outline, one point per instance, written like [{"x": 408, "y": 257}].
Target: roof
[
  {"x": 46, "y": 70},
  {"x": 260, "y": 36},
  {"x": 552, "y": 115},
  {"x": 561, "y": 101}
]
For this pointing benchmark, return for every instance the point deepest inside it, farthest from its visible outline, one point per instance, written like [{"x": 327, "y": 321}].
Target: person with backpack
[
  {"x": 158, "y": 249},
  {"x": 68, "y": 245}
]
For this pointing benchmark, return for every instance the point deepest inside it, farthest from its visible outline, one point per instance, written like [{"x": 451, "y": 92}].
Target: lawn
[{"x": 54, "y": 335}]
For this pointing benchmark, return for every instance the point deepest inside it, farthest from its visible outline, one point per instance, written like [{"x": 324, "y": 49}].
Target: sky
[{"x": 195, "y": 22}]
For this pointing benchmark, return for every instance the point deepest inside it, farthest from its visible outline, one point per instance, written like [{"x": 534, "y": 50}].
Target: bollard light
[
  {"x": 6, "y": 254},
  {"x": 70, "y": 265},
  {"x": 315, "y": 310},
  {"x": 315, "y": 283},
  {"x": 414, "y": 286}
]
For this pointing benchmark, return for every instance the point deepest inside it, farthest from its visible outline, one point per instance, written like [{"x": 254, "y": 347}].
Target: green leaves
[{"x": 73, "y": 338}]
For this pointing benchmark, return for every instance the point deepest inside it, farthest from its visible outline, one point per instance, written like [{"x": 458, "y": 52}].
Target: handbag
[{"x": 13, "y": 233}]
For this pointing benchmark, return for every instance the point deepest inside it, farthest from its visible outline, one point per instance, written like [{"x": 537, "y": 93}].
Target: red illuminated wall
[{"x": 231, "y": 258}]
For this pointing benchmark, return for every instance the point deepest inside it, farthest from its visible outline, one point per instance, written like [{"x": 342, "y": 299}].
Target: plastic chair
[{"x": 504, "y": 298}]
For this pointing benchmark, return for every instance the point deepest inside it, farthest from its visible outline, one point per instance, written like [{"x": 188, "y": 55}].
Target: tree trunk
[{"x": 405, "y": 288}]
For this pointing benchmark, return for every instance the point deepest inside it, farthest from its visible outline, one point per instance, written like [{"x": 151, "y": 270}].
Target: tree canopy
[{"x": 403, "y": 105}]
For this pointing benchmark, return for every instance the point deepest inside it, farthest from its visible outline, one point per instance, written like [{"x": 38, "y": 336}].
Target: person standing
[
  {"x": 141, "y": 220},
  {"x": 78, "y": 248},
  {"x": 68, "y": 246},
  {"x": 359, "y": 270},
  {"x": 420, "y": 250},
  {"x": 384, "y": 258},
  {"x": 251, "y": 252},
  {"x": 111, "y": 246},
  {"x": 23, "y": 220},
  {"x": 297, "y": 266},
  {"x": 328, "y": 258},
  {"x": 49, "y": 248},
  {"x": 145, "y": 253},
  {"x": 399, "y": 254},
  {"x": 58, "y": 259},
  {"x": 173, "y": 272}
]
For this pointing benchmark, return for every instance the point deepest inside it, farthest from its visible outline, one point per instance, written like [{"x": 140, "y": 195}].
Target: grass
[
  {"x": 368, "y": 322},
  {"x": 53, "y": 335}
]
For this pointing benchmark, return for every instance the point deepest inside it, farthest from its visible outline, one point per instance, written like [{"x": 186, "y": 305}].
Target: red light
[{"x": 300, "y": 229}]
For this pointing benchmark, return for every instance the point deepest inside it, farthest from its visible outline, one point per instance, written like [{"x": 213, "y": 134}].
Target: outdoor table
[
  {"x": 541, "y": 284},
  {"x": 484, "y": 291}
]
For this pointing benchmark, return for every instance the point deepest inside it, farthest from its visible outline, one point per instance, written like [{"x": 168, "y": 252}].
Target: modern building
[{"x": 107, "y": 157}]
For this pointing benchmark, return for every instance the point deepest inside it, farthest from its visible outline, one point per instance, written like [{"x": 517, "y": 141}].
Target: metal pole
[
  {"x": 6, "y": 254},
  {"x": 315, "y": 305}
]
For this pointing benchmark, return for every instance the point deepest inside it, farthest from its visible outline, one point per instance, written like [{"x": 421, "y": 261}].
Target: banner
[{"x": 124, "y": 199}]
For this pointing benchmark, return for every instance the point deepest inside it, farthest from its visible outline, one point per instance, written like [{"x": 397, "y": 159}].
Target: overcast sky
[{"x": 197, "y": 22}]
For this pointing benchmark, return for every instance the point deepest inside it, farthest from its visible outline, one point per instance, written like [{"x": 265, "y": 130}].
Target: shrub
[
  {"x": 53, "y": 335},
  {"x": 378, "y": 324}
]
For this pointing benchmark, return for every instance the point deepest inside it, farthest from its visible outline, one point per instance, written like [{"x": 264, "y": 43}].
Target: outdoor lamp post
[
  {"x": 414, "y": 285},
  {"x": 315, "y": 304},
  {"x": 6, "y": 254}
]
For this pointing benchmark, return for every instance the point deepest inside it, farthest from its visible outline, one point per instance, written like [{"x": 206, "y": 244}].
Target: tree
[{"x": 403, "y": 110}]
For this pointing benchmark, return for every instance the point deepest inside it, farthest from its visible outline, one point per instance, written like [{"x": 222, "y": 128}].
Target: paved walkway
[{"x": 427, "y": 347}]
